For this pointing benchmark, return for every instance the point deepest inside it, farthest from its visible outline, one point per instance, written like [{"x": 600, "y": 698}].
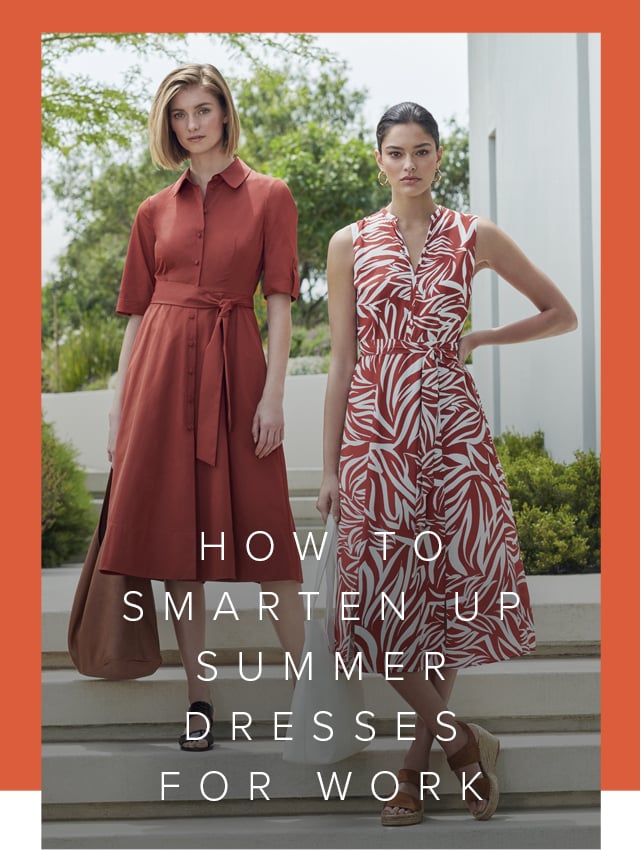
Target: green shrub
[
  {"x": 512, "y": 445},
  {"x": 67, "y": 516},
  {"x": 550, "y": 542},
  {"x": 556, "y": 505},
  {"x": 86, "y": 356},
  {"x": 584, "y": 482},
  {"x": 310, "y": 342}
]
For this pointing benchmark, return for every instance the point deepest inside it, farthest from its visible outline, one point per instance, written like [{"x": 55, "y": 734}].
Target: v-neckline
[{"x": 394, "y": 220}]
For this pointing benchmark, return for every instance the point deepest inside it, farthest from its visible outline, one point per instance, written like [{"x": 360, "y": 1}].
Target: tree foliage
[
  {"x": 82, "y": 113},
  {"x": 453, "y": 191},
  {"x": 309, "y": 130}
]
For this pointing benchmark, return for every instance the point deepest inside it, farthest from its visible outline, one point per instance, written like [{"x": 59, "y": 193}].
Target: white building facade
[{"x": 535, "y": 171}]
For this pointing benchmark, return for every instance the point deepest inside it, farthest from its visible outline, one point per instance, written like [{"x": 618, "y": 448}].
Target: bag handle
[
  {"x": 327, "y": 568},
  {"x": 329, "y": 547},
  {"x": 102, "y": 523}
]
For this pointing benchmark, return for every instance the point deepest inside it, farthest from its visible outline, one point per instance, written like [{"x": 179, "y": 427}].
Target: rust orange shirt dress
[{"x": 184, "y": 470}]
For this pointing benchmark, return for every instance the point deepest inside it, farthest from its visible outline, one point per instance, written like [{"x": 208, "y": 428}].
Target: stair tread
[
  {"x": 58, "y": 586},
  {"x": 517, "y": 666},
  {"x": 94, "y": 774},
  {"x": 262, "y": 746},
  {"x": 568, "y": 828}
]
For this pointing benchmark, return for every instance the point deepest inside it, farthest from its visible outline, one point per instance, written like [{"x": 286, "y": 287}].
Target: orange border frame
[{"x": 19, "y": 508}]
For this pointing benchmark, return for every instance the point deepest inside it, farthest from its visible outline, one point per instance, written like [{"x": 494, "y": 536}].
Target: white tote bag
[{"x": 312, "y": 742}]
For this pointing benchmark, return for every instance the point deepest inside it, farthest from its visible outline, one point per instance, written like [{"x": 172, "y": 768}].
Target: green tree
[
  {"x": 453, "y": 191},
  {"x": 308, "y": 129},
  {"x": 101, "y": 211},
  {"x": 81, "y": 113}
]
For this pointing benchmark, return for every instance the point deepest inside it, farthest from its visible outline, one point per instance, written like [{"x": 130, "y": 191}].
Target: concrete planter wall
[{"x": 81, "y": 419}]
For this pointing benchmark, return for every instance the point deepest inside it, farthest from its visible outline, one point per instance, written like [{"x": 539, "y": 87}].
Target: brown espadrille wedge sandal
[
  {"x": 405, "y": 801},
  {"x": 484, "y": 752}
]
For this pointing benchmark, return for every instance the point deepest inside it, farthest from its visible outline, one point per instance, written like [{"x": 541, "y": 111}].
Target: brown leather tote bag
[{"x": 101, "y": 642}]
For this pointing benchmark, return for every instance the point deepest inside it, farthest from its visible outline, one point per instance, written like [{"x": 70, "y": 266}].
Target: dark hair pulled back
[{"x": 406, "y": 113}]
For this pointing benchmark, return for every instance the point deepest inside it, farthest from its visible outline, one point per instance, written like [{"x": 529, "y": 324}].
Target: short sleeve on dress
[
  {"x": 280, "y": 259},
  {"x": 137, "y": 285}
]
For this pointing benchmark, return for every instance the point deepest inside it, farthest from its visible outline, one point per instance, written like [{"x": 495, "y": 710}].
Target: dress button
[
  {"x": 192, "y": 317},
  {"x": 191, "y": 343},
  {"x": 199, "y": 234},
  {"x": 196, "y": 262},
  {"x": 190, "y": 371}
]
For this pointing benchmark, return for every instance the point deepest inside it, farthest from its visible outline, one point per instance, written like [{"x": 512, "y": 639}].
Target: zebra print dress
[{"x": 429, "y": 568}]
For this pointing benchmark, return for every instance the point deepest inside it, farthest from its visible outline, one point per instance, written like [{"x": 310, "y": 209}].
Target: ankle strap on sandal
[
  {"x": 469, "y": 752},
  {"x": 202, "y": 707},
  {"x": 412, "y": 776}
]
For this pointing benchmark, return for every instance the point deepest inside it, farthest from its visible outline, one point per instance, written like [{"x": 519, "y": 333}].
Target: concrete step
[
  {"x": 547, "y": 828},
  {"x": 304, "y": 509},
  {"x": 566, "y": 614},
  {"x": 517, "y": 695},
  {"x": 124, "y": 779}
]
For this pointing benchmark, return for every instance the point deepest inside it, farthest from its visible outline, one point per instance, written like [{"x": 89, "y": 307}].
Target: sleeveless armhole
[{"x": 475, "y": 224}]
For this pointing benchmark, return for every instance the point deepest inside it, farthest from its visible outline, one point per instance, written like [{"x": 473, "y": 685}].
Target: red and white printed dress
[{"x": 417, "y": 456}]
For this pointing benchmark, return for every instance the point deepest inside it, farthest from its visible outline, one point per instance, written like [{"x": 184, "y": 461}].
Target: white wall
[
  {"x": 81, "y": 419},
  {"x": 533, "y": 93}
]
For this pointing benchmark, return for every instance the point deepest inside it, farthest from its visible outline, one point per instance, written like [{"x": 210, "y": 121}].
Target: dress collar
[
  {"x": 386, "y": 214},
  {"x": 234, "y": 175}
]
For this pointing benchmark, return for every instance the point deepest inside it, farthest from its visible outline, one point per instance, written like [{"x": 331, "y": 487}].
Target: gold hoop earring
[
  {"x": 437, "y": 177},
  {"x": 383, "y": 179}
]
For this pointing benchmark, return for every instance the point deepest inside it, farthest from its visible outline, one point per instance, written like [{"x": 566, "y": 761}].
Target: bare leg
[
  {"x": 190, "y": 635},
  {"x": 427, "y": 702},
  {"x": 290, "y": 625},
  {"x": 418, "y": 755}
]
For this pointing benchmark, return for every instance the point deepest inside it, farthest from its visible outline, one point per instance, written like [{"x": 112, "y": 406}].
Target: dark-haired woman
[
  {"x": 410, "y": 470},
  {"x": 199, "y": 485}
]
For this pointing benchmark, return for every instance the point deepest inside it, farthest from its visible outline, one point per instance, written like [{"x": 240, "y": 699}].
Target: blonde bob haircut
[{"x": 164, "y": 146}]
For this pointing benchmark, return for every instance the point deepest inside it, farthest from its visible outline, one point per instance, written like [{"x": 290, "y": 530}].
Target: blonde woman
[{"x": 196, "y": 429}]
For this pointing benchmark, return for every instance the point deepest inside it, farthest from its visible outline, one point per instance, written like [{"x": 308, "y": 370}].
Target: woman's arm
[
  {"x": 268, "y": 426},
  {"x": 123, "y": 362},
  {"x": 342, "y": 322},
  {"x": 495, "y": 250}
]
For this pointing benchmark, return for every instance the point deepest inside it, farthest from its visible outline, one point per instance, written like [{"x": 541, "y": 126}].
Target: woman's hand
[
  {"x": 268, "y": 426},
  {"x": 467, "y": 344},
  {"x": 328, "y": 498}
]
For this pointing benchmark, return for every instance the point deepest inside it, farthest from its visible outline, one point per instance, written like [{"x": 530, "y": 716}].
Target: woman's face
[
  {"x": 409, "y": 157},
  {"x": 198, "y": 120}
]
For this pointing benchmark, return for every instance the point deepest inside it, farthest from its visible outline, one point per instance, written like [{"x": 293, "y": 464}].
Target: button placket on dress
[{"x": 190, "y": 383}]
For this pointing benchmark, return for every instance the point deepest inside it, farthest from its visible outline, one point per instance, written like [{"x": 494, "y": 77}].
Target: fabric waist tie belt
[
  {"x": 438, "y": 351},
  {"x": 429, "y": 450},
  {"x": 215, "y": 369}
]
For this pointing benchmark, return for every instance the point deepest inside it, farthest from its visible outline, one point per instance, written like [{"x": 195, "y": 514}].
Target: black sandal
[{"x": 207, "y": 709}]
